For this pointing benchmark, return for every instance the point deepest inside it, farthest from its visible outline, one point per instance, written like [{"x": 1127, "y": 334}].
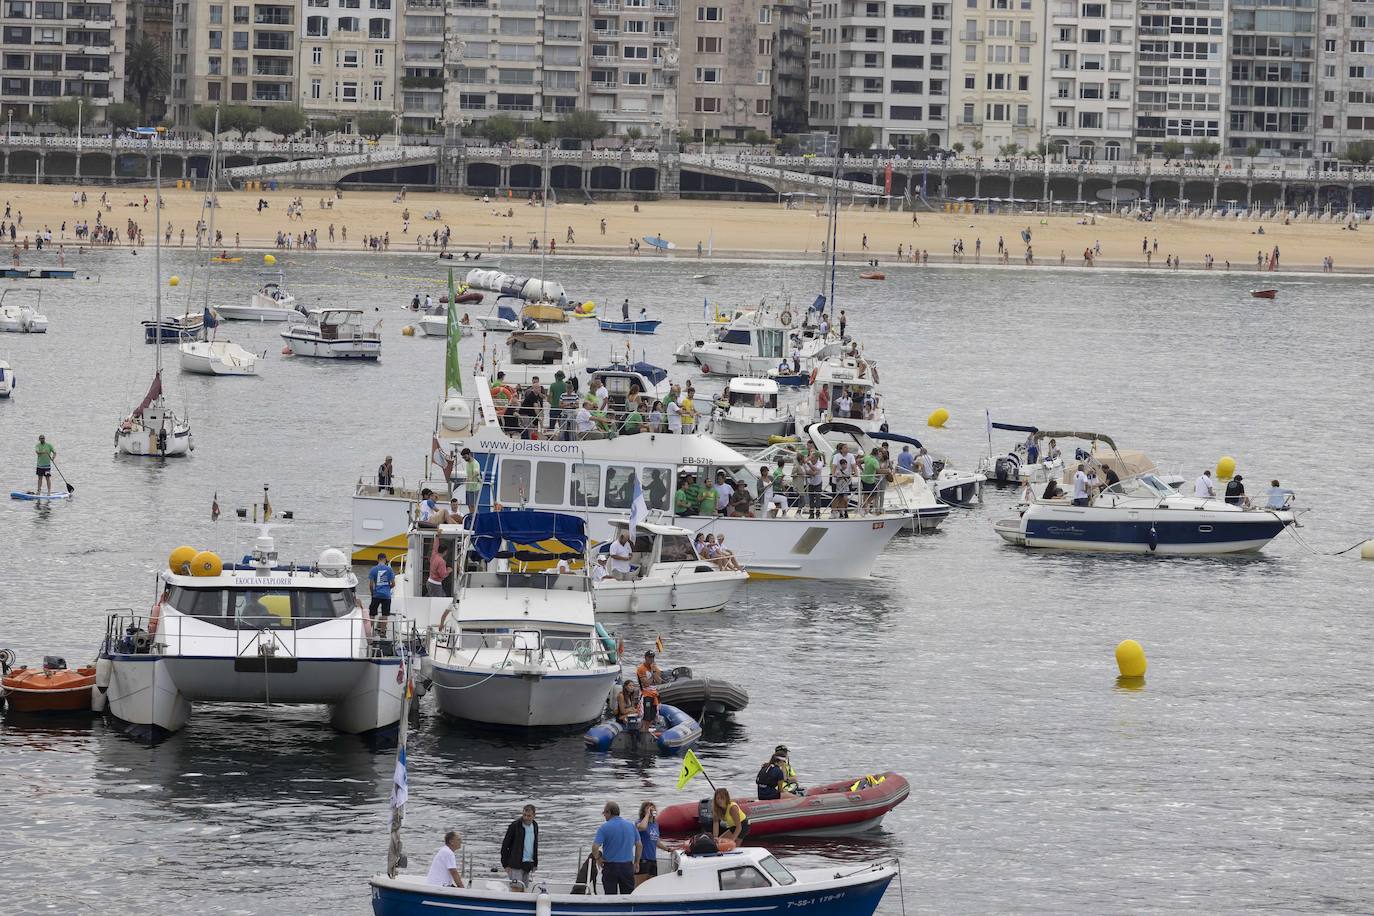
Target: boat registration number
[{"x": 828, "y": 898}]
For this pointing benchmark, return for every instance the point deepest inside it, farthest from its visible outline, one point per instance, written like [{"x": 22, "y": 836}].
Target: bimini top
[
  {"x": 1087, "y": 437},
  {"x": 653, "y": 373},
  {"x": 746, "y": 385},
  {"x": 1015, "y": 428},
  {"x": 897, "y": 437},
  {"x": 525, "y": 527}
]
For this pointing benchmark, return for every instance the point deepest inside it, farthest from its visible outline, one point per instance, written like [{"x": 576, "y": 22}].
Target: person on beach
[
  {"x": 616, "y": 847},
  {"x": 520, "y": 849},
  {"x": 443, "y": 869}
]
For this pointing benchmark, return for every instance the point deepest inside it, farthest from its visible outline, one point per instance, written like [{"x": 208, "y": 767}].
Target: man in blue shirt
[
  {"x": 520, "y": 849},
  {"x": 381, "y": 579},
  {"x": 616, "y": 847}
]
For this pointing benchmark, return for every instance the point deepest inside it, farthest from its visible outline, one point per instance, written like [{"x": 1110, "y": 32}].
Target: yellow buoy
[
  {"x": 587, "y": 307},
  {"x": 1367, "y": 550},
  {"x": 206, "y": 563},
  {"x": 1130, "y": 658},
  {"x": 174, "y": 280},
  {"x": 269, "y": 259},
  {"x": 408, "y": 331},
  {"x": 181, "y": 559},
  {"x": 938, "y": 418},
  {"x": 1226, "y": 467}
]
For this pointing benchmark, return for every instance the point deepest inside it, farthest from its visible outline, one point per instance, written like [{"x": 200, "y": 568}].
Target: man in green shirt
[
  {"x": 473, "y": 471},
  {"x": 633, "y": 421},
  {"x": 46, "y": 453},
  {"x": 556, "y": 392},
  {"x": 868, "y": 478}
]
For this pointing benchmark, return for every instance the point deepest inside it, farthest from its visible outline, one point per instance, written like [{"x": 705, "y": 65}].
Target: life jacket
[{"x": 867, "y": 782}]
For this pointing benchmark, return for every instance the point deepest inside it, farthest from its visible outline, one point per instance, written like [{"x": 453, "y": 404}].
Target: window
[
  {"x": 379, "y": 4},
  {"x": 585, "y": 489},
  {"x": 970, "y": 81},
  {"x": 619, "y": 486},
  {"x": 216, "y": 15},
  {"x": 707, "y": 105},
  {"x": 377, "y": 90},
  {"x": 350, "y": 24},
  {"x": 1023, "y": 83},
  {"x": 317, "y": 55},
  {"x": 216, "y": 40},
  {"x": 514, "y": 489},
  {"x": 708, "y": 14},
  {"x": 636, "y": 52},
  {"x": 708, "y": 45},
  {"x": 349, "y": 59},
  {"x": 379, "y": 57},
  {"x": 549, "y": 477},
  {"x": 763, "y": 106},
  {"x": 240, "y": 15},
  {"x": 629, "y": 78},
  {"x": 378, "y": 27},
  {"x": 765, "y": 15},
  {"x": 765, "y": 47},
  {"x": 708, "y": 74},
  {"x": 317, "y": 26},
  {"x": 212, "y": 92},
  {"x": 742, "y": 878},
  {"x": 350, "y": 92},
  {"x": 215, "y": 64},
  {"x": 658, "y": 487},
  {"x": 315, "y": 88},
  {"x": 241, "y": 41}
]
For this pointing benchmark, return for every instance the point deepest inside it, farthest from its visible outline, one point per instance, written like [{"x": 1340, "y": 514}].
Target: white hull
[
  {"x": 734, "y": 431},
  {"x": 216, "y": 358},
  {"x": 256, "y": 312},
  {"x": 437, "y": 326},
  {"x": 491, "y": 323},
  {"x": 141, "y": 441},
  {"x": 539, "y": 698},
  {"x": 334, "y": 349},
  {"x": 699, "y": 592}
]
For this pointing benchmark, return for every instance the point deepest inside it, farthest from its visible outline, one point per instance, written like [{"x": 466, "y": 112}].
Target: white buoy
[{"x": 1367, "y": 550}]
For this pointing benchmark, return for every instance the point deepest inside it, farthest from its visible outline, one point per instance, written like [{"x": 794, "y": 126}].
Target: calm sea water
[{"x": 1238, "y": 779}]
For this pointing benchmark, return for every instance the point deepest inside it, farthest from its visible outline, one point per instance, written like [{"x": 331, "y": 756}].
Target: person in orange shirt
[{"x": 649, "y": 675}]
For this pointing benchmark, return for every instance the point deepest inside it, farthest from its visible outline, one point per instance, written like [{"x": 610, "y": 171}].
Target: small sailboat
[
  {"x": 270, "y": 303},
  {"x": 23, "y": 319},
  {"x": 152, "y": 429}
]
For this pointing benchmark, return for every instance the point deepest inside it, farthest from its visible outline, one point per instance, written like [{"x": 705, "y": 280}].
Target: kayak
[
  {"x": 41, "y": 497},
  {"x": 840, "y": 809}
]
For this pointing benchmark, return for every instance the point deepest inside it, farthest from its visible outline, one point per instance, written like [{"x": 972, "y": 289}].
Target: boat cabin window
[
  {"x": 742, "y": 878},
  {"x": 618, "y": 388},
  {"x": 658, "y": 487},
  {"x": 619, "y": 486},
  {"x": 777, "y": 871},
  {"x": 770, "y": 342},
  {"x": 253, "y": 609},
  {"x": 735, "y": 336},
  {"x": 677, "y": 548},
  {"x": 541, "y": 352},
  {"x": 750, "y": 399},
  {"x": 549, "y": 477},
  {"x": 514, "y": 489},
  {"x": 586, "y": 485}
]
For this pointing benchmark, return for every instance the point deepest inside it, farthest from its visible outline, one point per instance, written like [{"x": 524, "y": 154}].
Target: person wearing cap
[
  {"x": 1235, "y": 493},
  {"x": 599, "y": 570},
  {"x": 789, "y": 784}
]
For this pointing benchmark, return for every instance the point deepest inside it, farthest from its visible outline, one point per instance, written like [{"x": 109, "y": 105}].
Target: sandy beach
[{"x": 749, "y": 230}]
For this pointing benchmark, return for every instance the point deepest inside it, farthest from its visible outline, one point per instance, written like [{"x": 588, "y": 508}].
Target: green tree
[
  {"x": 756, "y": 137},
  {"x": 633, "y": 133},
  {"x": 1042, "y": 149},
  {"x": 958, "y": 149},
  {"x": 789, "y": 144},
  {"x": 122, "y": 115},
  {"x": 326, "y": 125},
  {"x": 541, "y": 132},
  {"x": 204, "y": 118},
  {"x": 977, "y": 147},
  {"x": 241, "y": 118},
  {"x": 373, "y": 124},
  {"x": 685, "y": 137},
  {"x": 68, "y": 112},
  {"x": 146, "y": 72},
  {"x": 1361, "y": 152},
  {"x": 1171, "y": 149},
  {"x": 581, "y": 125},
  {"x": 1205, "y": 149},
  {"x": 500, "y": 129},
  {"x": 1252, "y": 150},
  {"x": 1009, "y": 149},
  {"x": 861, "y": 138},
  {"x": 286, "y": 121}
]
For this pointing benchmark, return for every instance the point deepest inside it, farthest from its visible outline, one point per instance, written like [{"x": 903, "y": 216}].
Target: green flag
[
  {"x": 453, "y": 376},
  {"x": 691, "y": 767}
]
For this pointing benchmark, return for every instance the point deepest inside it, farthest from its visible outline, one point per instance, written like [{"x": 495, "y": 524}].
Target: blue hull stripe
[{"x": 1138, "y": 532}]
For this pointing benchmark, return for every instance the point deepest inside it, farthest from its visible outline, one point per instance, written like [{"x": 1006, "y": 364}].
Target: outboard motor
[
  {"x": 54, "y": 663},
  {"x": 704, "y": 820}
]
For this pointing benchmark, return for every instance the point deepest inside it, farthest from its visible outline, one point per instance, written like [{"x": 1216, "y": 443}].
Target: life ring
[
  {"x": 509, "y": 395},
  {"x": 815, "y": 370},
  {"x": 705, "y": 369},
  {"x": 786, "y": 318}
]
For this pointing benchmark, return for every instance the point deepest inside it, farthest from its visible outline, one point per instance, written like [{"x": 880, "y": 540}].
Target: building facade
[
  {"x": 233, "y": 54},
  {"x": 631, "y": 52},
  {"x": 725, "y": 78},
  {"x": 348, "y": 58},
  {"x": 1344, "y": 95},
  {"x": 999, "y": 74},
  {"x": 1090, "y": 78},
  {"x": 1180, "y": 70},
  {"x": 51, "y": 50},
  {"x": 791, "y": 50},
  {"x": 883, "y": 65},
  {"x": 1271, "y": 84}
]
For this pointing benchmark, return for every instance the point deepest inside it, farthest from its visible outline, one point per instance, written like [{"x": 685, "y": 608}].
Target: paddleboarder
[{"x": 45, "y": 454}]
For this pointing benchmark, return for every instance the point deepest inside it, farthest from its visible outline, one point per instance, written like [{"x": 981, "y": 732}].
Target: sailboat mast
[
  {"x": 209, "y": 249},
  {"x": 544, "y": 203},
  {"x": 157, "y": 268}
]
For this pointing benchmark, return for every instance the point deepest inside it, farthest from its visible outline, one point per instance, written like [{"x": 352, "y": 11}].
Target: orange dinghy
[{"x": 54, "y": 688}]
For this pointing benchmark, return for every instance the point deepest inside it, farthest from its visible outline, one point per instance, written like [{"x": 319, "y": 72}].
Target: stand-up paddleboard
[
  {"x": 659, "y": 243},
  {"x": 40, "y": 497}
]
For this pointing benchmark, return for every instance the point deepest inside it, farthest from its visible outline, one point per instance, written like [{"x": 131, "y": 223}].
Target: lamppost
[{"x": 79, "y": 103}]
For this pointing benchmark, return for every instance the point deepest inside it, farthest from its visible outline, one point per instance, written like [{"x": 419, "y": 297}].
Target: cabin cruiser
[
  {"x": 252, "y": 632},
  {"x": 540, "y": 353},
  {"x": 626, "y": 381},
  {"x": 172, "y": 328},
  {"x": 1141, "y": 513},
  {"x": 844, "y": 388},
  {"x": 758, "y": 340},
  {"x": 270, "y": 303},
  {"x": 334, "y": 333},
  {"x": 22, "y": 319},
  {"x": 597, "y": 477},
  {"x": 750, "y": 414},
  {"x": 505, "y": 319},
  {"x": 666, "y": 574},
  {"x": 521, "y": 646},
  {"x": 434, "y": 323}
]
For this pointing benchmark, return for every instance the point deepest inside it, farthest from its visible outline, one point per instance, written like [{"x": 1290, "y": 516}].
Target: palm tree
[{"x": 146, "y": 71}]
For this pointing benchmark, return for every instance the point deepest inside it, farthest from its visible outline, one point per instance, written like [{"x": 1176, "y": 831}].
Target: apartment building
[
  {"x": 1090, "y": 72},
  {"x": 999, "y": 74},
  {"x": 1180, "y": 68},
  {"x": 791, "y": 44},
  {"x": 725, "y": 87},
  {"x": 348, "y": 57},
  {"x": 884, "y": 65},
  {"x": 50, "y": 50},
  {"x": 1344, "y": 94},
  {"x": 631, "y": 69},
  {"x": 233, "y": 53},
  {"x": 151, "y": 19},
  {"x": 423, "y": 32},
  {"x": 1271, "y": 86}
]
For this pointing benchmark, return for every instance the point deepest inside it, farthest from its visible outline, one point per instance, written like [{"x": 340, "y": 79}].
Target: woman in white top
[
  {"x": 674, "y": 417},
  {"x": 774, "y": 503}
]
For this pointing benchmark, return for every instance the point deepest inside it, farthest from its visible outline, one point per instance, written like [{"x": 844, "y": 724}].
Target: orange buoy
[{"x": 287, "y": 351}]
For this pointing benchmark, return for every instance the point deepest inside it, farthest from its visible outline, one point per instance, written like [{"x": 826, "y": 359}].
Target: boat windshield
[
  {"x": 778, "y": 871},
  {"x": 258, "y": 608},
  {"x": 1147, "y": 485},
  {"x": 677, "y": 548}
]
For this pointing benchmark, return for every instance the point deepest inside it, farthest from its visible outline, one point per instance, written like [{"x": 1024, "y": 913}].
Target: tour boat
[
  {"x": 846, "y": 808},
  {"x": 7, "y": 379},
  {"x": 750, "y": 414},
  {"x": 756, "y": 341},
  {"x": 334, "y": 333},
  {"x": 22, "y": 319},
  {"x": 521, "y": 647},
  {"x": 1264, "y": 293},
  {"x": 666, "y": 574},
  {"x": 258, "y": 631},
  {"x": 270, "y": 303},
  {"x": 53, "y": 688},
  {"x": 742, "y": 882}
]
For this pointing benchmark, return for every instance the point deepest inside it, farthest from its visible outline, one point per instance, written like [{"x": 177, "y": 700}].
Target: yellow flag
[
  {"x": 658, "y": 644},
  {"x": 691, "y": 766}
]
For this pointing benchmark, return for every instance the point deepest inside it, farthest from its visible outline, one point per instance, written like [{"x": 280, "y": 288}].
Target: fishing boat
[
  {"x": 22, "y": 319},
  {"x": 749, "y": 413},
  {"x": 1270, "y": 293},
  {"x": 1140, "y": 513},
  {"x": 257, "y": 631},
  {"x": 7, "y": 379},
  {"x": 522, "y": 648},
  {"x": 756, "y": 341},
  {"x": 845, "y": 808},
  {"x": 735, "y": 883},
  {"x": 152, "y": 429},
  {"x": 270, "y": 303},
  {"x": 334, "y": 333},
  {"x": 641, "y": 326},
  {"x": 666, "y": 574},
  {"x": 53, "y": 688}
]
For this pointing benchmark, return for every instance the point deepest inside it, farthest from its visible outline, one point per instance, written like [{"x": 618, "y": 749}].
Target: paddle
[{"x": 70, "y": 488}]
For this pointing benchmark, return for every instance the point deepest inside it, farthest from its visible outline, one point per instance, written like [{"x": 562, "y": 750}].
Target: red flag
[
  {"x": 214, "y": 509},
  {"x": 887, "y": 180},
  {"x": 441, "y": 458}
]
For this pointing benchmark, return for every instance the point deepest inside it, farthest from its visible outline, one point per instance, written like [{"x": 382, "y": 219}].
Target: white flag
[{"x": 639, "y": 509}]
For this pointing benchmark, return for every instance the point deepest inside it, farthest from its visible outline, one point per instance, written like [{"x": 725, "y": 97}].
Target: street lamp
[{"x": 79, "y": 103}]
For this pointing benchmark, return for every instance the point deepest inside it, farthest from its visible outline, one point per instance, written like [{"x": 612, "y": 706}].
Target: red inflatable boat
[{"x": 839, "y": 809}]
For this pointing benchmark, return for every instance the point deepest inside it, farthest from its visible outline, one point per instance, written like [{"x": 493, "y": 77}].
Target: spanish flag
[{"x": 691, "y": 768}]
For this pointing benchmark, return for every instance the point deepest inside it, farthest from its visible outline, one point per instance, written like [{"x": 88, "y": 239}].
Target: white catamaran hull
[{"x": 537, "y": 698}]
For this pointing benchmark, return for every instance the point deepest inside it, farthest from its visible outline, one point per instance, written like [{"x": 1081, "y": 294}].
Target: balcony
[
  {"x": 1026, "y": 38},
  {"x": 973, "y": 35}
]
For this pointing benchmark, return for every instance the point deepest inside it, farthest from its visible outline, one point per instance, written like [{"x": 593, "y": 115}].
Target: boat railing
[
  {"x": 369, "y": 484},
  {"x": 554, "y": 651},
  {"x": 129, "y": 633}
]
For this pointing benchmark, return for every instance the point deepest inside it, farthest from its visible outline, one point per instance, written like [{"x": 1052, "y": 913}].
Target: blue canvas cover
[{"x": 525, "y": 527}]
